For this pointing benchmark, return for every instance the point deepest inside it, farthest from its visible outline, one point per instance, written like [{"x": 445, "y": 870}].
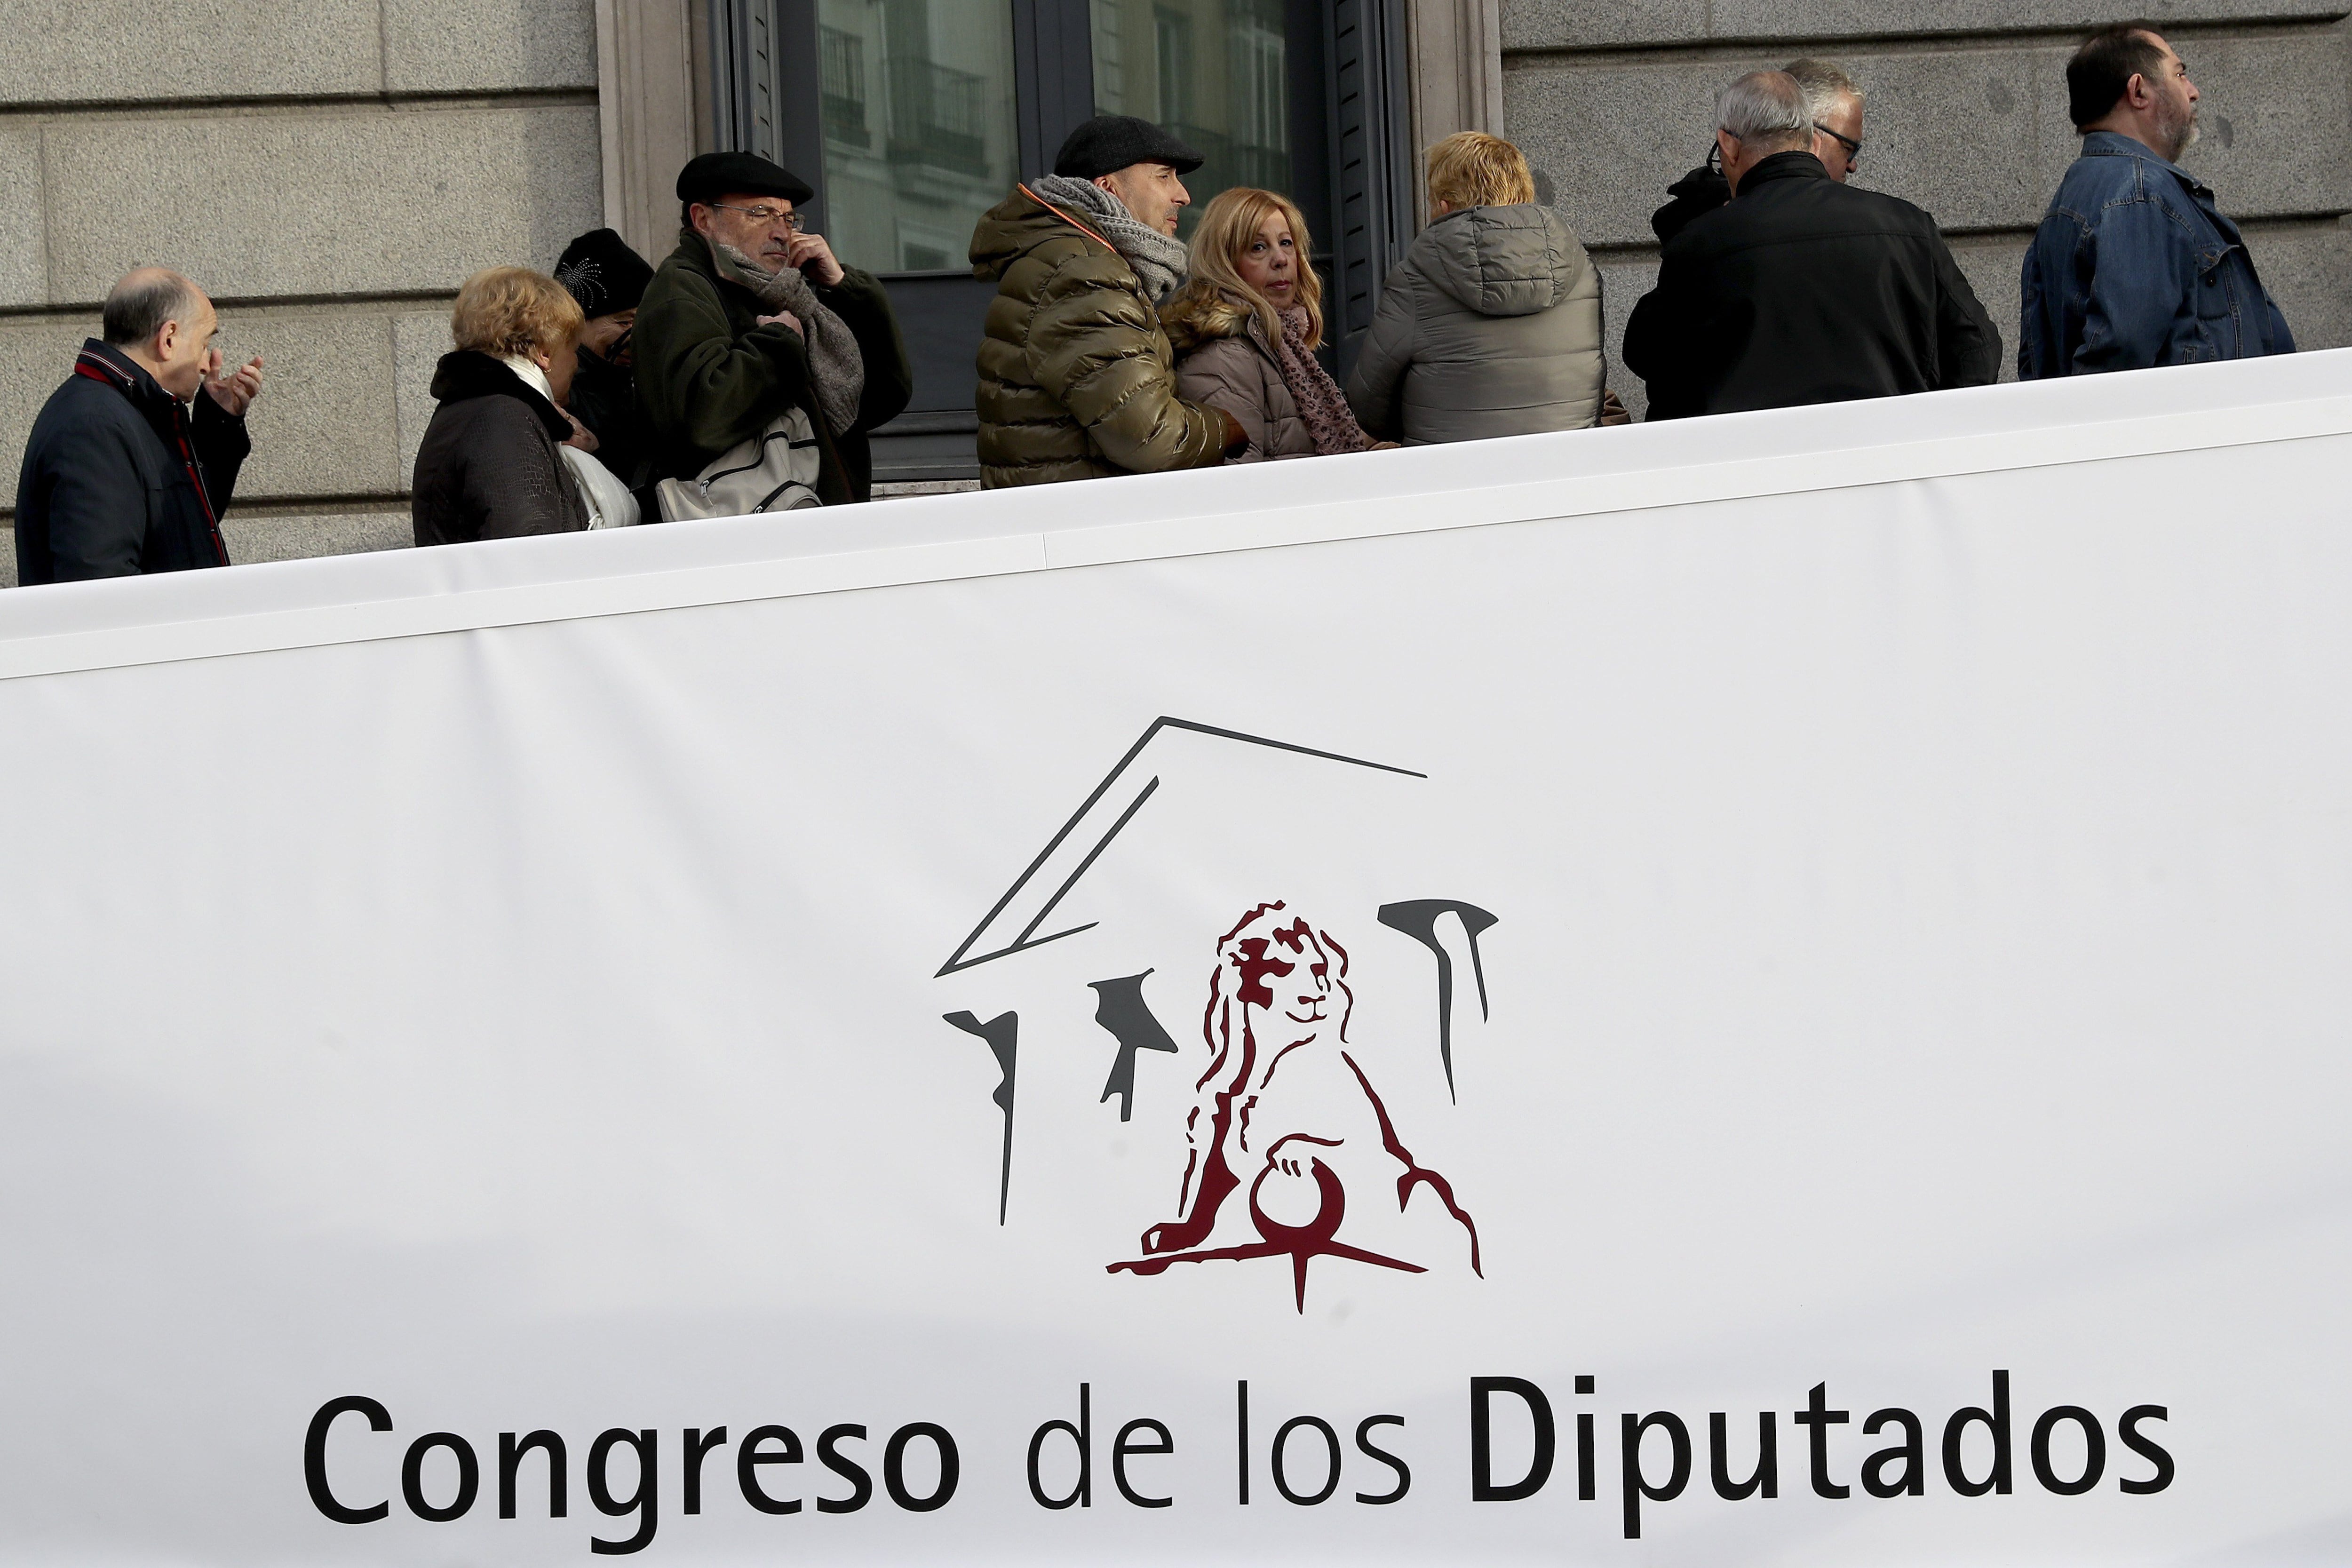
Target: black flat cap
[
  {"x": 602, "y": 273},
  {"x": 1112, "y": 141},
  {"x": 716, "y": 175}
]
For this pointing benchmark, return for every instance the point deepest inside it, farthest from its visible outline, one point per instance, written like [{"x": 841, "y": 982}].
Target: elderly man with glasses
[
  {"x": 1833, "y": 99},
  {"x": 1801, "y": 290},
  {"x": 751, "y": 316},
  {"x": 1835, "y": 104}
]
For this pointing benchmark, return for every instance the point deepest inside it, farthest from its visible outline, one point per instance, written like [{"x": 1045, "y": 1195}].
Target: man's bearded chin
[{"x": 2184, "y": 131}]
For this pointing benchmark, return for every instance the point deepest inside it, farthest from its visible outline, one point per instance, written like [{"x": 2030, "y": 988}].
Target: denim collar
[{"x": 2115, "y": 144}]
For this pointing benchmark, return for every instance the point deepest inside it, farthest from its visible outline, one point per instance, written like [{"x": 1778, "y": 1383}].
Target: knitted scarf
[
  {"x": 1160, "y": 261},
  {"x": 835, "y": 365},
  {"x": 1321, "y": 402}
]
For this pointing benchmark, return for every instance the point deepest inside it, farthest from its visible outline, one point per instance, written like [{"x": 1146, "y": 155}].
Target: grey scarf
[
  {"x": 835, "y": 363},
  {"x": 1160, "y": 261}
]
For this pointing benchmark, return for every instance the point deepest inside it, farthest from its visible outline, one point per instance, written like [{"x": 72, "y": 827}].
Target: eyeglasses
[
  {"x": 1852, "y": 148},
  {"x": 764, "y": 216}
]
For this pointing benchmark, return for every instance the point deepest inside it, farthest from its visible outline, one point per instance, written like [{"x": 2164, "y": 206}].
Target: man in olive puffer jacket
[
  {"x": 1077, "y": 377},
  {"x": 1491, "y": 325}
]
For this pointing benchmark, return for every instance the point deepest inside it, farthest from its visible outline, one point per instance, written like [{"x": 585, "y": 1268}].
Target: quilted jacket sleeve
[
  {"x": 1376, "y": 386},
  {"x": 1096, "y": 347}
]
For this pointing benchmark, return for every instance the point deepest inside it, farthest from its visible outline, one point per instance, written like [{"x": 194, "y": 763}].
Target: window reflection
[
  {"x": 1210, "y": 71},
  {"x": 918, "y": 128}
]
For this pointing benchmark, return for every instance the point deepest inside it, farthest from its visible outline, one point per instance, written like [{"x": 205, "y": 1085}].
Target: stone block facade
[
  {"x": 1612, "y": 100},
  {"x": 329, "y": 173}
]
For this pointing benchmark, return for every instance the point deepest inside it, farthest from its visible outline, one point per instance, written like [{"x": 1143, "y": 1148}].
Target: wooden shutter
[{"x": 1371, "y": 162}]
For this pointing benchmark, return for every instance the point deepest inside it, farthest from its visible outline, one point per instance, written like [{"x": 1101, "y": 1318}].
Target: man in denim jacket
[{"x": 2133, "y": 265}]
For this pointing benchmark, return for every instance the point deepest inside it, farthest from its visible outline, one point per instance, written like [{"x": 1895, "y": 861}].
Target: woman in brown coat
[{"x": 1245, "y": 327}]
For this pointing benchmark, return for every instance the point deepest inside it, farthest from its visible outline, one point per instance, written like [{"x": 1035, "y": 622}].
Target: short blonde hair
[
  {"x": 1472, "y": 169},
  {"x": 507, "y": 311}
]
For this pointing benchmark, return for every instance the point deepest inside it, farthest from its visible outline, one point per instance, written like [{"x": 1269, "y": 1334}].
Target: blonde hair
[
  {"x": 1228, "y": 224},
  {"x": 1472, "y": 169},
  {"x": 507, "y": 311}
]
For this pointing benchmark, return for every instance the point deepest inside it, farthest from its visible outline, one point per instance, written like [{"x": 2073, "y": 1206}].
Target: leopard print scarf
[{"x": 1321, "y": 403}]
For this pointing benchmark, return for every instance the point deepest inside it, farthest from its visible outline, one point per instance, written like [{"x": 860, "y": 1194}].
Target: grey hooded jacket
[{"x": 1490, "y": 326}]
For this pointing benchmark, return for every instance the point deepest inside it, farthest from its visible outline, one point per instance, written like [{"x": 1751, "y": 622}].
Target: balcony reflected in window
[
  {"x": 1214, "y": 72},
  {"x": 918, "y": 128}
]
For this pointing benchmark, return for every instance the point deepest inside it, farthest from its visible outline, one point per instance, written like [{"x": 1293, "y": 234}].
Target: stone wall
[
  {"x": 329, "y": 172},
  {"x": 1966, "y": 117}
]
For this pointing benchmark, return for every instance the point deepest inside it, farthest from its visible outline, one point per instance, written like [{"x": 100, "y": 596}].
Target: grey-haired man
[
  {"x": 1801, "y": 290},
  {"x": 1834, "y": 102},
  {"x": 131, "y": 464}
]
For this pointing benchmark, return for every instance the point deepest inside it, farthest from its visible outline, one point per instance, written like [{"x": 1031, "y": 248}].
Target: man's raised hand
[
  {"x": 811, "y": 253},
  {"x": 235, "y": 391}
]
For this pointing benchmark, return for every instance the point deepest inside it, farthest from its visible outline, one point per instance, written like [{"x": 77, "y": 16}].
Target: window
[
  {"x": 1111, "y": 61},
  {"x": 912, "y": 117},
  {"x": 1219, "y": 73},
  {"x": 1172, "y": 38},
  {"x": 1261, "y": 99},
  {"x": 940, "y": 151},
  {"x": 844, "y": 55}
]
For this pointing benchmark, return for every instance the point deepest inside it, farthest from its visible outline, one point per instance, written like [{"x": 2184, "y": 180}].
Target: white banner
[{"x": 1770, "y": 990}]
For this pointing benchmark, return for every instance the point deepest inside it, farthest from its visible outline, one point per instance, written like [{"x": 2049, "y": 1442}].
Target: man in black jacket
[
  {"x": 1802, "y": 289},
  {"x": 128, "y": 469}
]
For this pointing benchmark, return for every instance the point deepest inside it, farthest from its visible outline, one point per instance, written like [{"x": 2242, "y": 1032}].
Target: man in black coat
[
  {"x": 128, "y": 468},
  {"x": 1802, "y": 289}
]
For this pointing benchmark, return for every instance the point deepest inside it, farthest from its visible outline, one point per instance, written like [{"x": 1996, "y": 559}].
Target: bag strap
[{"x": 1081, "y": 228}]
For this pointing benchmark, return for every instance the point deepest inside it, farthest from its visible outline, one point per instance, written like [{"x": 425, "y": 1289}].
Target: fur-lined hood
[{"x": 1193, "y": 316}]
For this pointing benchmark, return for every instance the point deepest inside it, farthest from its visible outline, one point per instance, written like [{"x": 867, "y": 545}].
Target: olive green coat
[
  {"x": 709, "y": 376},
  {"x": 1077, "y": 379}
]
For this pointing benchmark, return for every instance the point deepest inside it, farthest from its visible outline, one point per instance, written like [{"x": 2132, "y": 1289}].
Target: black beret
[
  {"x": 716, "y": 175},
  {"x": 602, "y": 273},
  {"x": 1108, "y": 142}
]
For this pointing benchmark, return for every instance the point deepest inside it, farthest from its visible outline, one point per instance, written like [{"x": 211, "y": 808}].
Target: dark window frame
[{"x": 1351, "y": 152}]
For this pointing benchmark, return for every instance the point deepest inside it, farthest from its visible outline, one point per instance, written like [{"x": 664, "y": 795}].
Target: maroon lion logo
[{"x": 1285, "y": 1130}]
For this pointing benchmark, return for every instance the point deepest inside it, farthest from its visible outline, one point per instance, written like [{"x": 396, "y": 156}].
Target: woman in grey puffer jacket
[{"x": 1491, "y": 325}]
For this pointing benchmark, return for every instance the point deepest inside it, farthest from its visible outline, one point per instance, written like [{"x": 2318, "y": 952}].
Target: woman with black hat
[{"x": 608, "y": 279}]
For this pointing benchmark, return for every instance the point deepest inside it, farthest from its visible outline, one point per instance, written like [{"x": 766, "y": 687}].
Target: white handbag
[
  {"x": 777, "y": 472},
  {"x": 610, "y": 504}
]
